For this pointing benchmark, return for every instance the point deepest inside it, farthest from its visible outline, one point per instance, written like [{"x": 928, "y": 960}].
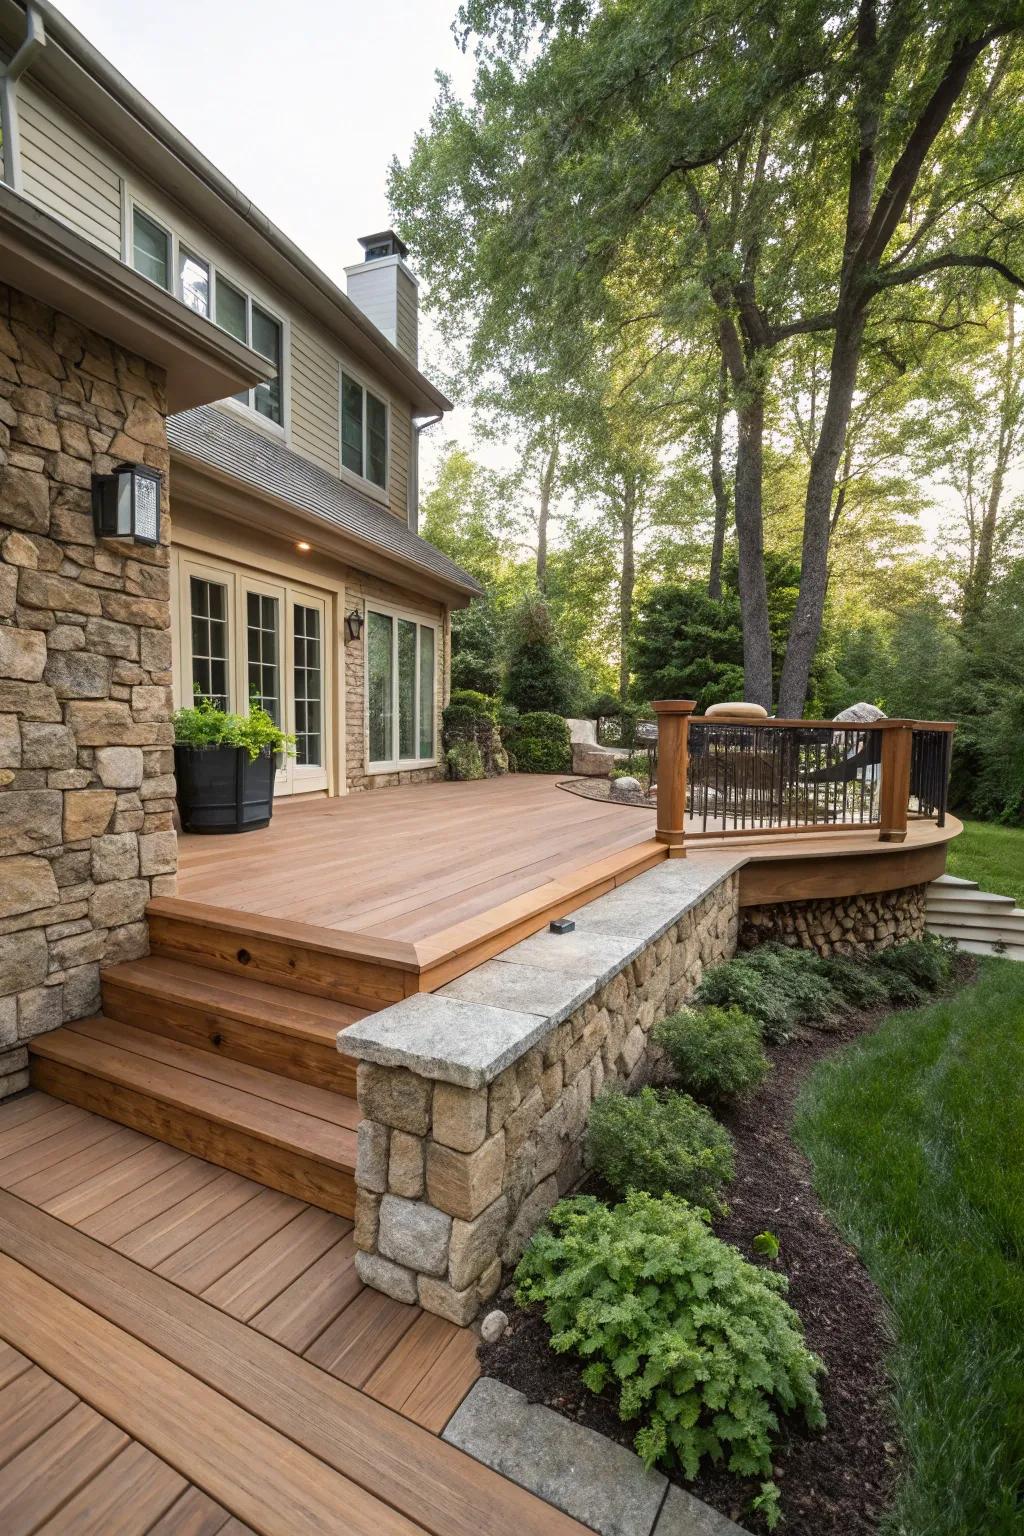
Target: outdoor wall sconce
[
  {"x": 126, "y": 504},
  {"x": 354, "y": 622}
]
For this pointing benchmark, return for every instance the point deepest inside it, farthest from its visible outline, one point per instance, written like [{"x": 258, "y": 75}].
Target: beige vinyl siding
[
  {"x": 398, "y": 482},
  {"x": 66, "y": 173},
  {"x": 314, "y": 400},
  {"x": 406, "y": 327}
]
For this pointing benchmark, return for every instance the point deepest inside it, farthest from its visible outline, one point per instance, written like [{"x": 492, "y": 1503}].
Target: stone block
[
  {"x": 8, "y": 1022},
  {"x": 367, "y": 1220},
  {"x": 522, "y": 1122},
  {"x": 158, "y": 853},
  {"x": 29, "y": 819},
  {"x": 489, "y": 1281},
  {"x": 465, "y": 1183},
  {"x": 119, "y": 767},
  {"x": 87, "y": 813},
  {"x": 26, "y": 885},
  {"x": 126, "y": 943},
  {"x": 22, "y": 654},
  {"x": 528, "y": 1218},
  {"x": 372, "y": 1156},
  {"x": 460, "y": 1116},
  {"x": 101, "y": 723},
  {"x": 115, "y": 857},
  {"x": 149, "y": 703},
  {"x": 521, "y": 989},
  {"x": 394, "y": 1096},
  {"x": 57, "y": 594},
  {"x": 39, "y": 1009},
  {"x": 122, "y": 901},
  {"x": 23, "y": 960},
  {"x": 405, "y": 1165},
  {"x": 32, "y": 701},
  {"x": 78, "y": 675},
  {"x": 47, "y": 745},
  {"x": 10, "y": 741},
  {"x": 8, "y": 591},
  {"x": 476, "y": 1244},
  {"x": 439, "y": 1297},
  {"x": 81, "y": 992},
  {"x": 381, "y": 1275},
  {"x": 110, "y": 639},
  {"x": 24, "y": 499},
  {"x": 504, "y": 1097},
  {"x": 414, "y": 1235}
]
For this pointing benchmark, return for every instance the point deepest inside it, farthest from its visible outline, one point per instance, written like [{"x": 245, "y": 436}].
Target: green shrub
[
  {"x": 465, "y": 760},
  {"x": 855, "y": 981},
  {"x": 662, "y": 1143},
  {"x": 699, "y": 1343},
  {"x": 538, "y": 742},
  {"x": 736, "y": 984},
  {"x": 777, "y": 986},
  {"x": 479, "y": 703},
  {"x": 926, "y": 962},
  {"x": 204, "y": 725},
  {"x": 716, "y": 1052}
]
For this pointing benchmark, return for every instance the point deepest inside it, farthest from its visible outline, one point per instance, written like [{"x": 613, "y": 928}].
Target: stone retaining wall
[
  {"x": 453, "y": 1177},
  {"x": 86, "y": 766},
  {"x": 840, "y": 926}
]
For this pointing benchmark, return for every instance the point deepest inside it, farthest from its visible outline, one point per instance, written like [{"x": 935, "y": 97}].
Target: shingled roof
[{"x": 212, "y": 437}]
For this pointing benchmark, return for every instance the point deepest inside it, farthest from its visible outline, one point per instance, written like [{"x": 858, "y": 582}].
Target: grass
[
  {"x": 991, "y": 854},
  {"x": 916, "y": 1135}
]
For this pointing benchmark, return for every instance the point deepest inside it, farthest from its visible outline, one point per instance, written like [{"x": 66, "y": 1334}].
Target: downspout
[
  {"x": 34, "y": 40},
  {"x": 413, "y": 508}
]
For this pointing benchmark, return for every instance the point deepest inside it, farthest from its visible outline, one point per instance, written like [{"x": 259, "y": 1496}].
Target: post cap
[{"x": 674, "y": 706}]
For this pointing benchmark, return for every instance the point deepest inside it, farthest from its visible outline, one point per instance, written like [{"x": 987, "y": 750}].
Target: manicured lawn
[
  {"x": 991, "y": 854},
  {"x": 916, "y": 1135}
]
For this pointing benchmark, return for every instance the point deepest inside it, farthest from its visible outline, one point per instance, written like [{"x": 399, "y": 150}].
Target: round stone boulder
[{"x": 623, "y": 788}]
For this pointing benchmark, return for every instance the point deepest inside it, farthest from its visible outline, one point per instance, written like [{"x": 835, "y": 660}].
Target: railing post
[
  {"x": 673, "y": 732},
  {"x": 894, "y": 792}
]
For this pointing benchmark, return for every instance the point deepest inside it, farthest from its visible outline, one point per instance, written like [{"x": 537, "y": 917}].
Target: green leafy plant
[
  {"x": 767, "y": 1245},
  {"x": 465, "y": 760},
  {"x": 663, "y": 1143},
  {"x": 856, "y": 983},
  {"x": 470, "y": 698},
  {"x": 768, "y": 1504},
  {"x": 538, "y": 742},
  {"x": 777, "y": 986},
  {"x": 927, "y": 962},
  {"x": 716, "y": 1052},
  {"x": 698, "y": 1342},
  {"x": 204, "y": 725}
]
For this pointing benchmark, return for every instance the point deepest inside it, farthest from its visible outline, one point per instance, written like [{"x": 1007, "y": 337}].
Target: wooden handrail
[
  {"x": 832, "y": 725},
  {"x": 673, "y": 731}
]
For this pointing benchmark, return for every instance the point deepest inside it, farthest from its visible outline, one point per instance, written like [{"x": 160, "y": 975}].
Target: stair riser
[
  {"x": 987, "y": 947},
  {"x": 970, "y": 908},
  {"x": 366, "y": 984},
  {"x": 281, "y": 1168},
  {"x": 236, "y": 1039}
]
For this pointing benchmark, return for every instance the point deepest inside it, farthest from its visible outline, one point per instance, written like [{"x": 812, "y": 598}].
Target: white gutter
[{"x": 33, "y": 41}]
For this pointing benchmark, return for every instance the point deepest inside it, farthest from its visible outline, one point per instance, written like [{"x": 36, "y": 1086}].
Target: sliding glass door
[{"x": 401, "y": 680}]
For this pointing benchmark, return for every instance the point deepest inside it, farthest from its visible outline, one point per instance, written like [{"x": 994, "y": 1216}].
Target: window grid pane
[
  {"x": 266, "y": 339},
  {"x": 406, "y": 688},
  {"x": 380, "y": 686},
  {"x": 426, "y": 733},
  {"x": 351, "y": 424},
  {"x": 262, "y": 652},
  {"x": 150, "y": 249},
  {"x": 308, "y": 681},
  {"x": 376, "y": 440},
  {"x": 194, "y": 276},
  {"x": 209, "y": 613}
]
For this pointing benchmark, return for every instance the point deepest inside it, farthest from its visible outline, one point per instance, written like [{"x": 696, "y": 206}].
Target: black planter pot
[{"x": 222, "y": 789}]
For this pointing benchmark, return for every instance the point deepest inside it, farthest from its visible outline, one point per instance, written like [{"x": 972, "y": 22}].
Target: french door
[{"x": 245, "y": 641}]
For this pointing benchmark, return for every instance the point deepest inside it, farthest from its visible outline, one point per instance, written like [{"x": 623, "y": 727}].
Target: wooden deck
[{"x": 183, "y": 1350}]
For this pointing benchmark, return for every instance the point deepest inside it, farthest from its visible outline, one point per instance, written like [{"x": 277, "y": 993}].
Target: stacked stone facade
[
  {"x": 843, "y": 925},
  {"x": 453, "y": 1181},
  {"x": 86, "y": 761}
]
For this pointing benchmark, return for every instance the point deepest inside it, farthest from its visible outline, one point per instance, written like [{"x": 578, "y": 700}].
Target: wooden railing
[{"x": 733, "y": 777}]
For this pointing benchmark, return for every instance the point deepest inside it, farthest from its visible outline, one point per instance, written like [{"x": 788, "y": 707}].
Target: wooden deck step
[
  {"x": 290, "y": 1135},
  {"x": 351, "y": 968},
  {"x": 234, "y": 1016}
]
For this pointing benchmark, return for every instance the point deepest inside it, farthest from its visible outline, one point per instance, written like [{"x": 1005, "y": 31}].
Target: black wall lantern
[
  {"x": 126, "y": 504},
  {"x": 354, "y": 622}
]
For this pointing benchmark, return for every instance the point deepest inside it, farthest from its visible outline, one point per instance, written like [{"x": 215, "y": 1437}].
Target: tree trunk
[
  {"x": 547, "y": 481},
  {"x": 980, "y": 578},
  {"x": 627, "y": 582},
  {"x": 805, "y": 627},
  {"x": 720, "y": 493},
  {"x": 757, "y": 642}
]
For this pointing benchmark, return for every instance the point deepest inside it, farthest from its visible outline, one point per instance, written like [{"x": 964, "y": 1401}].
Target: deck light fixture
[
  {"x": 303, "y": 548},
  {"x": 126, "y": 504},
  {"x": 354, "y": 622}
]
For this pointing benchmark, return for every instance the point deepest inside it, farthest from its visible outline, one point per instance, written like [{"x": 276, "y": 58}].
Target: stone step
[
  {"x": 992, "y": 910},
  {"x": 976, "y": 946}
]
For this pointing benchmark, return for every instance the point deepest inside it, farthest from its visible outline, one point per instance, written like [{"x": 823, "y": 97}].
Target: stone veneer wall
[
  {"x": 452, "y": 1181},
  {"x": 843, "y": 925},
  {"x": 361, "y": 588},
  {"x": 86, "y": 766}
]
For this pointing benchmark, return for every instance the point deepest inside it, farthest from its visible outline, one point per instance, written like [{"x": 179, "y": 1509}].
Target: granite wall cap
[
  {"x": 503, "y": 983},
  {"x": 444, "y": 1038}
]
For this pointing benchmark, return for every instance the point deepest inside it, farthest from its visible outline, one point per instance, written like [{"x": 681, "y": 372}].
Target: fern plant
[{"x": 699, "y": 1344}]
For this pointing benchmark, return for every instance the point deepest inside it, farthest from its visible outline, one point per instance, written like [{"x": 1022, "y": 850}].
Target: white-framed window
[
  {"x": 247, "y": 639},
  {"x": 401, "y": 689},
  {"x": 155, "y": 250},
  {"x": 364, "y": 431}
]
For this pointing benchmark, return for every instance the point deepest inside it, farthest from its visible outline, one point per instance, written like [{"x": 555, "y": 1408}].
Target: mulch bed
[
  {"x": 601, "y": 789},
  {"x": 837, "y": 1481}
]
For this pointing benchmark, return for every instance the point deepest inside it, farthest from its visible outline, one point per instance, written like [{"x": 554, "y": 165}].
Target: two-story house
[{"x": 297, "y": 574}]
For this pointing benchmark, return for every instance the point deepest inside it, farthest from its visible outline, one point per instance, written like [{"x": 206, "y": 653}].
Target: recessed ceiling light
[{"x": 303, "y": 546}]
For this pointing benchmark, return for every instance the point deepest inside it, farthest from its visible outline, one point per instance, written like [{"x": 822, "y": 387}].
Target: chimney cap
[{"x": 384, "y": 243}]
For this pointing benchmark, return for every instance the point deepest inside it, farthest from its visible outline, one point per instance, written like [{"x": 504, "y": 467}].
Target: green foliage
[
  {"x": 538, "y": 742},
  {"x": 699, "y": 1344},
  {"x": 477, "y": 644},
  {"x": 539, "y": 675},
  {"x": 465, "y": 760},
  {"x": 777, "y": 986},
  {"x": 204, "y": 725},
  {"x": 663, "y": 1143},
  {"x": 716, "y": 1052},
  {"x": 927, "y": 962},
  {"x": 914, "y": 1137},
  {"x": 991, "y": 855},
  {"x": 767, "y": 1245},
  {"x": 686, "y": 645},
  {"x": 471, "y": 698},
  {"x": 767, "y": 1503},
  {"x": 856, "y": 983}
]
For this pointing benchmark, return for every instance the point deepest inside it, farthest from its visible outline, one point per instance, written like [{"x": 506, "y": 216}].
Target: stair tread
[
  {"x": 315, "y": 1018},
  {"x": 260, "y": 1104}
]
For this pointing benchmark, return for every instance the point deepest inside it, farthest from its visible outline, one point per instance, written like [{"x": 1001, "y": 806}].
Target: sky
[{"x": 302, "y": 106}]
